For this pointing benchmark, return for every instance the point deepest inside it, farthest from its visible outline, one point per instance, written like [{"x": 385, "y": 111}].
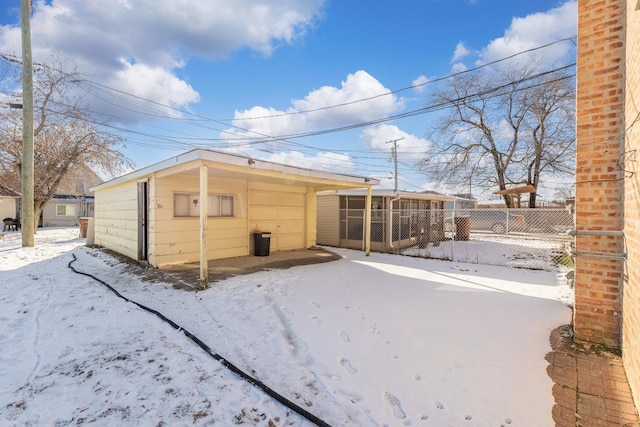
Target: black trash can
[{"x": 262, "y": 243}]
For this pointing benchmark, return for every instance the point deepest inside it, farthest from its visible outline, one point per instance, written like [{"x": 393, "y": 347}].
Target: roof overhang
[
  {"x": 239, "y": 167},
  {"x": 517, "y": 190},
  {"x": 383, "y": 192}
]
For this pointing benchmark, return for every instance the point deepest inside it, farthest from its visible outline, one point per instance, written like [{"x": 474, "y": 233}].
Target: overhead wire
[{"x": 284, "y": 140}]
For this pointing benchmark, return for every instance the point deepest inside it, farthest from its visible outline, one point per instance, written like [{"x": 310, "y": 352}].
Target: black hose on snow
[{"x": 233, "y": 368}]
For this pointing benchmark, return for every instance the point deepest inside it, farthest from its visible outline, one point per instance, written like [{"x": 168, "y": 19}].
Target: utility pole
[
  {"x": 394, "y": 154},
  {"x": 26, "y": 174}
]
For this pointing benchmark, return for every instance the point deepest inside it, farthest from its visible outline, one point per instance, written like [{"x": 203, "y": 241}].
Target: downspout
[{"x": 398, "y": 197}]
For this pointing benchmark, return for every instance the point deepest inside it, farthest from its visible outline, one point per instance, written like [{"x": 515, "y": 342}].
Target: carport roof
[
  {"x": 236, "y": 166},
  {"x": 385, "y": 192}
]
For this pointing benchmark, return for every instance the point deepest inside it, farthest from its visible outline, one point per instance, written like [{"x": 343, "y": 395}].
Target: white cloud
[
  {"x": 525, "y": 33},
  {"x": 155, "y": 83},
  {"x": 420, "y": 83},
  {"x": 459, "y": 67},
  {"x": 326, "y": 161},
  {"x": 411, "y": 148},
  {"x": 460, "y": 52},
  {"x": 312, "y": 113},
  {"x": 309, "y": 114},
  {"x": 155, "y": 35},
  {"x": 536, "y": 30}
]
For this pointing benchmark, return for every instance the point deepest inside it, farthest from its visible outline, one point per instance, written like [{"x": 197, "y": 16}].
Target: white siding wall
[
  {"x": 312, "y": 212},
  {"x": 177, "y": 239},
  {"x": 7, "y": 207},
  {"x": 116, "y": 219},
  {"x": 328, "y": 220},
  {"x": 280, "y": 210}
]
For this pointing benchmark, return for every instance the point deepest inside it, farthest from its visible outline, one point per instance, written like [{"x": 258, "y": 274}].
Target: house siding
[
  {"x": 116, "y": 219},
  {"x": 328, "y": 220},
  {"x": 631, "y": 295},
  {"x": 7, "y": 207},
  {"x": 176, "y": 240},
  {"x": 279, "y": 210},
  {"x": 311, "y": 221}
]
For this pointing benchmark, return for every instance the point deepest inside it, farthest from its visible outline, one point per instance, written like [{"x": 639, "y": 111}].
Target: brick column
[
  {"x": 599, "y": 185},
  {"x": 631, "y": 294}
]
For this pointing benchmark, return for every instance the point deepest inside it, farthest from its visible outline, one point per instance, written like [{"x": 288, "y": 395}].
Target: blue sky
[{"x": 171, "y": 75}]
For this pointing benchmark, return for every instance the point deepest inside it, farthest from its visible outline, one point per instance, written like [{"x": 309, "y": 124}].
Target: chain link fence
[{"x": 522, "y": 238}]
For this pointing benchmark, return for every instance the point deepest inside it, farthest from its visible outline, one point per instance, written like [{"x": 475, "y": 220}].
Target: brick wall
[
  {"x": 631, "y": 294},
  {"x": 599, "y": 184}
]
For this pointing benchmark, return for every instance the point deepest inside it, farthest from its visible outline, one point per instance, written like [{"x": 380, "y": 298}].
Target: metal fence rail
[{"x": 524, "y": 238}]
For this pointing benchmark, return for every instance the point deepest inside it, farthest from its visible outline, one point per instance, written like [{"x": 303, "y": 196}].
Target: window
[
  {"x": 65, "y": 210},
  {"x": 187, "y": 204}
]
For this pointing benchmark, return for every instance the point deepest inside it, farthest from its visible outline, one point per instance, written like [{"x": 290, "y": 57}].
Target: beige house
[
  {"x": 9, "y": 200},
  {"x": 399, "y": 219},
  {"x": 155, "y": 214},
  {"x": 73, "y": 199}
]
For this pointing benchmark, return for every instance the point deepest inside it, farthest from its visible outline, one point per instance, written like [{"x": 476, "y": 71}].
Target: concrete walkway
[
  {"x": 186, "y": 276},
  {"x": 590, "y": 385}
]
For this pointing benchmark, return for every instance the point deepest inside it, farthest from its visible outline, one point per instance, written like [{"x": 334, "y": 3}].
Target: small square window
[{"x": 65, "y": 210}]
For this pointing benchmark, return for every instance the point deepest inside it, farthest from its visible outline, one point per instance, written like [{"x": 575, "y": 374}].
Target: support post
[
  {"x": 204, "y": 192},
  {"x": 26, "y": 174},
  {"x": 367, "y": 222}
]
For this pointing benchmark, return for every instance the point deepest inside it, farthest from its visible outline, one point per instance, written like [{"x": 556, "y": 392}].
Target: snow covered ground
[{"x": 378, "y": 340}]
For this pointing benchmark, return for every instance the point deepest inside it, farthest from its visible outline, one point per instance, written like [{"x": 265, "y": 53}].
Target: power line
[{"x": 283, "y": 139}]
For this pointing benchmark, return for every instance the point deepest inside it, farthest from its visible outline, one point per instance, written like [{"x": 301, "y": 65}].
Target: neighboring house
[
  {"x": 66, "y": 210},
  {"x": 73, "y": 199},
  {"x": 607, "y": 252},
  {"x": 155, "y": 214},
  {"x": 398, "y": 218},
  {"x": 9, "y": 202}
]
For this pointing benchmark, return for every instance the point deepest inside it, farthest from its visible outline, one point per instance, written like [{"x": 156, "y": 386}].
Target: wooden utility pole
[
  {"x": 27, "y": 175},
  {"x": 394, "y": 154}
]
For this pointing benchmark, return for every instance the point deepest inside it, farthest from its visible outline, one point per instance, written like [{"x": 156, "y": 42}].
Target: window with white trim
[
  {"x": 188, "y": 204},
  {"x": 65, "y": 210}
]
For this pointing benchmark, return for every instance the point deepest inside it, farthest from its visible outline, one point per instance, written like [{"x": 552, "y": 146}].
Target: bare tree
[
  {"x": 504, "y": 129},
  {"x": 65, "y": 136}
]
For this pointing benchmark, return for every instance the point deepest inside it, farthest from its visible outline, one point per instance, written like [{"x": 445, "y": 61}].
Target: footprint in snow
[
  {"x": 396, "y": 405},
  {"x": 439, "y": 405},
  {"x": 346, "y": 364},
  {"x": 316, "y": 304},
  {"x": 351, "y": 397},
  {"x": 345, "y": 336},
  {"x": 316, "y": 320}
]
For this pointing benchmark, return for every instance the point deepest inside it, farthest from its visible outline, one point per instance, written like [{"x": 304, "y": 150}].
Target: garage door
[{"x": 282, "y": 214}]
